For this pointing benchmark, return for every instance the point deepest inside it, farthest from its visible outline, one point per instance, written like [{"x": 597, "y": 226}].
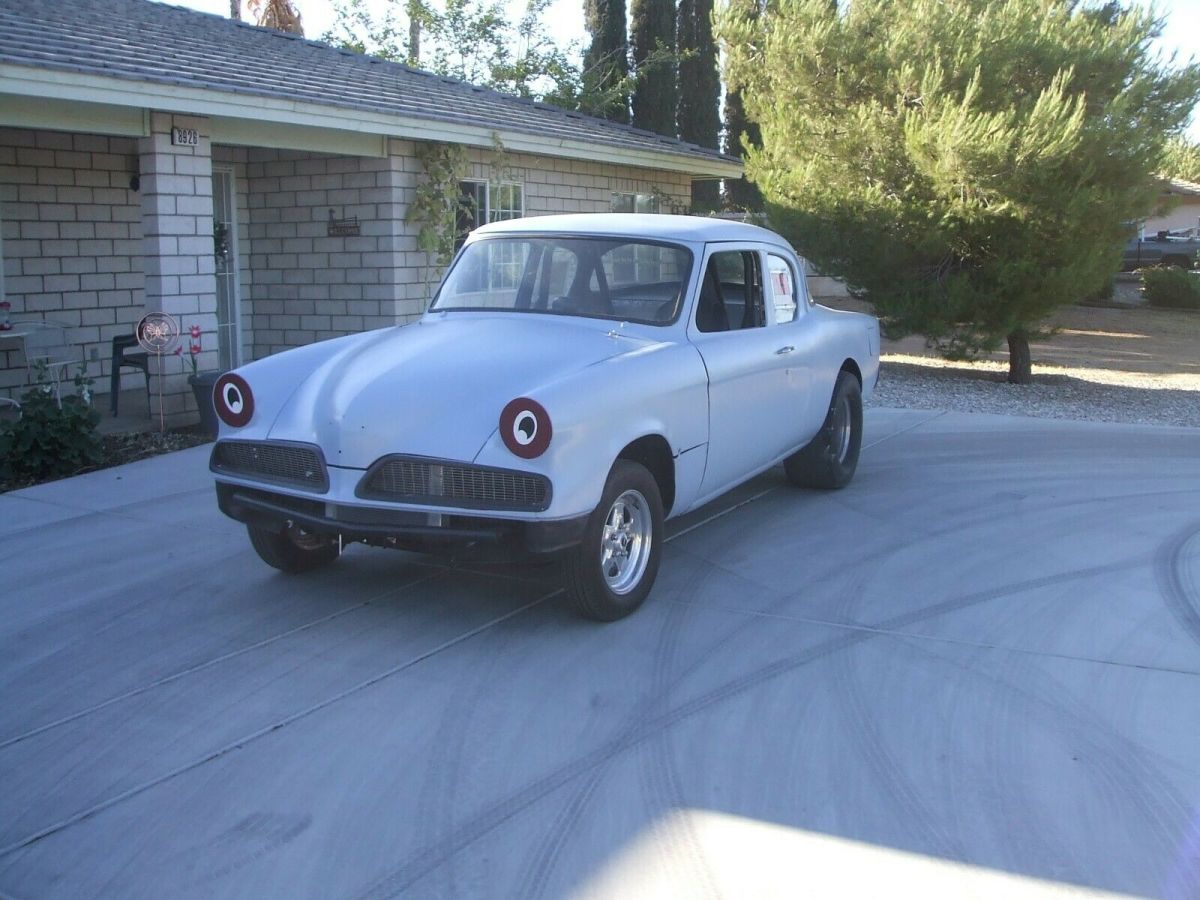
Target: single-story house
[
  {"x": 257, "y": 184},
  {"x": 1181, "y": 199}
]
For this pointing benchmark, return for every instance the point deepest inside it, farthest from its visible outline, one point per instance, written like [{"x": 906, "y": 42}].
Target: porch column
[{"x": 175, "y": 167}]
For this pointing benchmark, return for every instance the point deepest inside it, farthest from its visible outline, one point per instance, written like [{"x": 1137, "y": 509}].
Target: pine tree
[
  {"x": 652, "y": 41},
  {"x": 606, "y": 62},
  {"x": 965, "y": 165},
  {"x": 1181, "y": 160},
  {"x": 698, "y": 114}
]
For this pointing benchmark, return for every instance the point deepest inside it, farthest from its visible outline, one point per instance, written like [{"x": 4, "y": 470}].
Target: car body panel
[{"x": 728, "y": 405}]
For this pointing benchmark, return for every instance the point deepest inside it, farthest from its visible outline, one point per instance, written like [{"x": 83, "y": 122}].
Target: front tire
[
  {"x": 292, "y": 550},
  {"x": 830, "y": 459},
  {"x": 610, "y": 573}
]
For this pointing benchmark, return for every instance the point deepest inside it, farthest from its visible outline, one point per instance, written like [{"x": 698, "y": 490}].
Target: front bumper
[{"x": 403, "y": 529}]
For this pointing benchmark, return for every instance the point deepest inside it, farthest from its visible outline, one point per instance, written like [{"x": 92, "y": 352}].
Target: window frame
[{"x": 485, "y": 215}]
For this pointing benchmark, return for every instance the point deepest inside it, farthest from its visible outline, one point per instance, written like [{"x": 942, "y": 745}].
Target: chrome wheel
[
  {"x": 625, "y": 542},
  {"x": 840, "y": 429}
]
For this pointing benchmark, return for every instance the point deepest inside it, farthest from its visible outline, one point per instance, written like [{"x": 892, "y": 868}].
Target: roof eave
[{"x": 83, "y": 87}]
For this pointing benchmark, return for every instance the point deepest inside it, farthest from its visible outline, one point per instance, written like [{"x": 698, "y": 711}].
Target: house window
[
  {"x": 635, "y": 203},
  {"x": 481, "y": 202}
]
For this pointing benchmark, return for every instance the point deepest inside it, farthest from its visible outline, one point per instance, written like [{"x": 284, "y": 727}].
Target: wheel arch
[
  {"x": 849, "y": 365},
  {"x": 654, "y": 452}
]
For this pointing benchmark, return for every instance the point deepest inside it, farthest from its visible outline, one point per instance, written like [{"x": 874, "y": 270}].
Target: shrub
[
  {"x": 50, "y": 440},
  {"x": 1171, "y": 288}
]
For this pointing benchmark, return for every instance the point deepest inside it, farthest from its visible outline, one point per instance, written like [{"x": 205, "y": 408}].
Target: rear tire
[
  {"x": 292, "y": 550},
  {"x": 610, "y": 573},
  {"x": 830, "y": 459}
]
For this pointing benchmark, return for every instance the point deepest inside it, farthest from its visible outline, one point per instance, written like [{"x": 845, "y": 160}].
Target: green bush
[
  {"x": 1171, "y": 288},
  {"x": 50, "y": 440}
]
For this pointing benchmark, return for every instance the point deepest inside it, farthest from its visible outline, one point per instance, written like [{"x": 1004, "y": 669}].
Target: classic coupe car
[{"x": 577, "y": 380}]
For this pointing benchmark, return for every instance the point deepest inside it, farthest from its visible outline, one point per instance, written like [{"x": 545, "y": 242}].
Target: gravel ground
[{"x": 1099, "y": 395}]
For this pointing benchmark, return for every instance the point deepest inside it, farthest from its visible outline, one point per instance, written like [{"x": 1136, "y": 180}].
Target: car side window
[
  {"x": 731, "y": 294},
  {"x": 782, "y": 282}
]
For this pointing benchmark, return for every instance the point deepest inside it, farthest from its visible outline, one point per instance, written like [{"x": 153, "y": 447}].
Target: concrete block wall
[
  {"x": 71, "y": 244},
  {"x": 304, "y": 284}
]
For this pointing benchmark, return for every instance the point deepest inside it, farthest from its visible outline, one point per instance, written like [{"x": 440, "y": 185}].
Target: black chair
[{"x": 123, "y": 360}]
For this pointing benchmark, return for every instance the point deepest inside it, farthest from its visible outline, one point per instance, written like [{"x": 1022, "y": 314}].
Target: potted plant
[{"x": 202, "y": 382}]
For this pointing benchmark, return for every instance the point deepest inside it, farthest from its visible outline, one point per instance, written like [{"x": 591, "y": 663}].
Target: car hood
[{"x": 436, "y": 388}]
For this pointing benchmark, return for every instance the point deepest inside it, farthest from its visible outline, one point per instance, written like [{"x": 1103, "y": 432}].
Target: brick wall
[{"x": 71, "y": 241}]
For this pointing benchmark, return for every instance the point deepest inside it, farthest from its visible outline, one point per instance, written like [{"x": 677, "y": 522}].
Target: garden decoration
[{"x": 157, "y": 334}]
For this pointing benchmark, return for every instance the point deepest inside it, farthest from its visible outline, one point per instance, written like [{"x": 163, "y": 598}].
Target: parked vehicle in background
[
  {"x": 576, "y": 381},
  {"x": 1164, "y": 249}
]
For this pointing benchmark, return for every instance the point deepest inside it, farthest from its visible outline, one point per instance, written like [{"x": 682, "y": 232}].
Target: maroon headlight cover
[
  {"x": 233, "y": 400},
  {"x": 525, "y": 428}
]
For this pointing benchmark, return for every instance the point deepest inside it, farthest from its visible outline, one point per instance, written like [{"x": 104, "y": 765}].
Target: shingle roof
[{"x": 154, "y": 42}]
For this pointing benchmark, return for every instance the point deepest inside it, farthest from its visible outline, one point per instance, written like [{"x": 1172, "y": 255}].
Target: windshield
[{"x": 607, "y": 278}]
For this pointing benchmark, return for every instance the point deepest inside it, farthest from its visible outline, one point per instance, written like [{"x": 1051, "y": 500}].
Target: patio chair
[
  {"x": 122, "y": 360},
  {"x": 46, "y": 344}
]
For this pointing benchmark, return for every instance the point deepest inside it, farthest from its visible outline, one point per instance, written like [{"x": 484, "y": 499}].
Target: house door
[{"x": 229, "y": 307}]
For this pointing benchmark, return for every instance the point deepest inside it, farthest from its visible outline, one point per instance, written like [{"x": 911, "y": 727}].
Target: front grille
[
  {"x": 414, "y": 479},
  {"x": 297, "y": 465}
]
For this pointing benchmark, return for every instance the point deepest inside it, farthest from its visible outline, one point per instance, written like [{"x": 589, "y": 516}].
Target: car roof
[{"x": 692, "y": 229}]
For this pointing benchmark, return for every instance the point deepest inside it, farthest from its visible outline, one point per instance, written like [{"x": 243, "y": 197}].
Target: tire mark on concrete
[
  {"x": 1121, "y": 764},
  {"x": 216, "y": 660},
  {"x": 537, "y": 875},
  {"x": 867, "y": 742},
  {"x": 244, "y": 741},
  {"x": 497, "y": 813},
  {"x": 439, "y": 791},
  {"x": 1175, "y": 582}
]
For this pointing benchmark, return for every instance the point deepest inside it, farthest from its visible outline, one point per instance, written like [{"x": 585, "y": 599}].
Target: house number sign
[{"x": 185, "y": 137}]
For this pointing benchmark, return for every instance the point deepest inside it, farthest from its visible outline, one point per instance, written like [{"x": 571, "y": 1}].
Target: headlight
[{"x": 525, "y": 428}]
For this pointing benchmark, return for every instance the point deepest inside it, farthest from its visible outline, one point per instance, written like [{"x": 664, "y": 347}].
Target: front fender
[
  {"x": 274, "y": 379},
  {"x": 595, "y": 413}
]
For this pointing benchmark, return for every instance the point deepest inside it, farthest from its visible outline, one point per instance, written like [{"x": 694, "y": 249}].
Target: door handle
[{"x": 782, "y": 350}]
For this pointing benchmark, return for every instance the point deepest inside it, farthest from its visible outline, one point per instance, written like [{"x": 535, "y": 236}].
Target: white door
[
  {"x": 229, "y": 307},
  {"x": 751, "y": 418}
]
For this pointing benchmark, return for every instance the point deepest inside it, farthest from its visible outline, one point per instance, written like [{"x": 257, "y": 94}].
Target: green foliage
[
  {"x": 965, "y": 165},
  {"x": 50, "y": 440},
  {"x": 472, "y": 40},
  {"x": 1181, "y": 160},
  {"x": 606, "y": 61},
  {"x": 698, "y": 115},
  {"x": 438, "y": 199},
  {"x": 1171, "y": 288},
  {"x": 652, "y": 42}
]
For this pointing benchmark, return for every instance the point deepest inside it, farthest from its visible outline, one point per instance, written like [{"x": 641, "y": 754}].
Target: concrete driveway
[{"x": 975, "y": 672}]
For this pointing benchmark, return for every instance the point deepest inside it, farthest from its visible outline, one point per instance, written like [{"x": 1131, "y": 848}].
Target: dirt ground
[{"x": 1110, "y": 345}]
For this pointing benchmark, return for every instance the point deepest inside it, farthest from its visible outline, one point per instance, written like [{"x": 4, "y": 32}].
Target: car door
[
  {"x": 790, "y": 309},
  {"x": 750, "y": 419}
]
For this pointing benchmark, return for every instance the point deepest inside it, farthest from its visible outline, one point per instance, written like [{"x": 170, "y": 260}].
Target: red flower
[{"x": 195, "y": 330}]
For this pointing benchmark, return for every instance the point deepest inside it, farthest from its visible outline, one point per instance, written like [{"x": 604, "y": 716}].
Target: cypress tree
[
  {"x": 698, "y": 114},
  {"x": 606, "y": 62},
  {"x": 652, "y": 41}
]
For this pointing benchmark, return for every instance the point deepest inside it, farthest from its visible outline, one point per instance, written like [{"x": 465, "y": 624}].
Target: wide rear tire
[
  {"x": 292, "y": 550},
  {"x": 610, "y": 573},
  {"x": 830, "y": 459}
]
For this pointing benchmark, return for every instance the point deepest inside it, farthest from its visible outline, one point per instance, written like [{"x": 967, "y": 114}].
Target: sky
[{"x": 565, "y": 23}]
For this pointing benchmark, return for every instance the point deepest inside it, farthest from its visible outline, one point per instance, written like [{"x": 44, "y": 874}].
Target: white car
[{"x": 577, "y": 380}]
